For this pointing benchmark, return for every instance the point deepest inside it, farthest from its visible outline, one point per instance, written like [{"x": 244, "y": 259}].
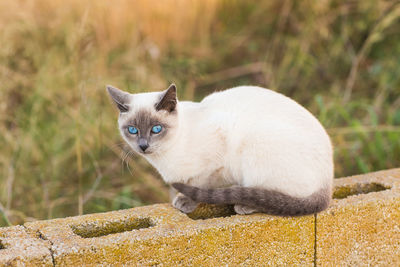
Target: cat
[{"x": 247, "y": 146}]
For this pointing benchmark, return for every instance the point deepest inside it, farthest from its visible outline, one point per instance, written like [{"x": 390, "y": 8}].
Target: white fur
[{"x": 248, "y": 136}]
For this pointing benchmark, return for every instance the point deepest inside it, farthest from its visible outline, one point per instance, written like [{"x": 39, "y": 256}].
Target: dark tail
[{"x": 264, "y": 200}]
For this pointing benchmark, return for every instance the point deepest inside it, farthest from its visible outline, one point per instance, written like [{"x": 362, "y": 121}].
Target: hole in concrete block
[
  {"x": 208, "y": 211},
  {"x": 99, "y": 228},
  {"x": 341, "y": 192}
]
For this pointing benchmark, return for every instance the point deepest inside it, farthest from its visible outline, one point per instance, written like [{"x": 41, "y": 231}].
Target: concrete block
[
  {"x": 362, "y": 226},
  {"x": 21, "y": 247},
  {"x": 161, "y": 235}
]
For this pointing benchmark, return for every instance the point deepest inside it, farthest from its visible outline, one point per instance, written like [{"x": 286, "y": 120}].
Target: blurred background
[{"x": 60, "y": 150}]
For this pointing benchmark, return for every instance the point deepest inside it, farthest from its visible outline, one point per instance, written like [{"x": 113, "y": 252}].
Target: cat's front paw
[
  {"x": 241, "y": 209},
  {"x": 183, "y": 203}
]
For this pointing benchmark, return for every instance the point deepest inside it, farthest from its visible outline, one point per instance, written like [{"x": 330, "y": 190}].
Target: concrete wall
[{"x": 362, "y": 227}]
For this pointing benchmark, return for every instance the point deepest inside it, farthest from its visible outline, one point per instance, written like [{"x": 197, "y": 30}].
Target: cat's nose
[
  {"x": 143, "y": 144},
  {"x": 144, "y": 147}
]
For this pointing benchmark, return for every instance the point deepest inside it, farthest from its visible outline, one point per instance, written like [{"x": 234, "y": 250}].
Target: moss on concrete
[
  {"x": 204, "y": 211},
  {"x": 362, "y": 229},
  {"x": 104, "y": 227},
  {"x": 341, "y": 192},
  {"x": 177, "y": 239}
]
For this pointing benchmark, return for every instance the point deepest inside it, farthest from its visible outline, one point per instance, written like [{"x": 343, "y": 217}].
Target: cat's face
[{"x": 147, "y": 121}]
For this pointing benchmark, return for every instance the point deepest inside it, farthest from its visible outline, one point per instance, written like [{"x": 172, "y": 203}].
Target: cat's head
[{"x": 147, "y": 121}]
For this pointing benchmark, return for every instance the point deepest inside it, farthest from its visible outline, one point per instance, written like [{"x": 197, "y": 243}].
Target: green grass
[{"x": 60, "y": 151}]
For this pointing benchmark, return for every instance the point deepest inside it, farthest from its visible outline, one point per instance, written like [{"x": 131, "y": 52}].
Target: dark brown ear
[
  {"x": 120, "y": 98},
  {"x": 168, "y": 99}
]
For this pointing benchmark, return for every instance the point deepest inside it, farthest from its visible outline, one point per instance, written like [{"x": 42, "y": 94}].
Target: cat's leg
[
  {"x": 241, "y": 209},
  {"x": 184, "y": 203}
]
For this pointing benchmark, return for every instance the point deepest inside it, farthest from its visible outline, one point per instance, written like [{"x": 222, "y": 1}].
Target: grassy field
[{"x": 60, "y": 150}]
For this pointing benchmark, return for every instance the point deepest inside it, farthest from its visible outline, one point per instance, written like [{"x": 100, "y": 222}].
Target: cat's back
[
  {"x": 252, "y": 103},
  {"x": 240, "y": 93},
  {"x": 262, "y": 114},
  {"x": 248, "y": 98}
]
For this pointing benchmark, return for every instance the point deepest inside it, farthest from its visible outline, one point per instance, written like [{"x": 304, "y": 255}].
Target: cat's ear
[
  {"x": 120, "y": 98},
  {"x": 168, "y": 99}
]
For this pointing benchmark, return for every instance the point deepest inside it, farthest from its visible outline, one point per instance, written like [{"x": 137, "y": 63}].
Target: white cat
[{"x": 247, "y": 146}]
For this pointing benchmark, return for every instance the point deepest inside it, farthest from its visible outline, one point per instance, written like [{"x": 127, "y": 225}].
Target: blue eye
[
  {"x": 132, "y": 130},
  {"x": 156, "y": 129}
]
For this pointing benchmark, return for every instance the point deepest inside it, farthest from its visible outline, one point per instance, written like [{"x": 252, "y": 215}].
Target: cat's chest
[
  {"x": 196, "y": 156},
  {"x": 184, "y": 168}
]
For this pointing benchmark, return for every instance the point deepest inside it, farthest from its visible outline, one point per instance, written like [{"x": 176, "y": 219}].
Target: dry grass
[{"x": 60, "y": 151}]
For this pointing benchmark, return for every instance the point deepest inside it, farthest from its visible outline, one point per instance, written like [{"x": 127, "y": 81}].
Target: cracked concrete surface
[
  {"x": 23, "y": 247},
  {"x": 172, "y": 237},
  {"x": 362, "y": 227}
]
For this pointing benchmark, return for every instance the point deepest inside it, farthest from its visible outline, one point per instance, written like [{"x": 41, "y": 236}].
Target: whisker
[
  {"x": 124, "y": 156},
  {"x": 127, "y": 163}
]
